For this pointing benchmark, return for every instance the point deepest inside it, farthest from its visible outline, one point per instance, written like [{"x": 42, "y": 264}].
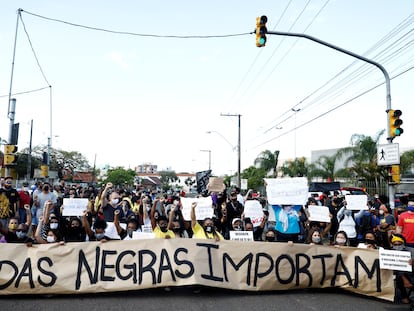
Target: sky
[{"x": 175, "y": 81}]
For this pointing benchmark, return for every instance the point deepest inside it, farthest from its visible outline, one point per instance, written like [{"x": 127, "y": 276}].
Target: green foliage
[
  {"x": 166, "y": 178},
  {"x": 407, "y": 162},
  {"x": 255, "y": 177},
  {"x": 268, "y": 161},
  {"x": 296, "y": 168},
  {"x": 120, "y": 177}
]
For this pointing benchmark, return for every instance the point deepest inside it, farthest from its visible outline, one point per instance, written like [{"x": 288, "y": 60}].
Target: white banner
[
  {"x": 203, "y": 210},
  {"x": 74, "y": 206},
  {"x": 319, "y": 213},
  {"x": 356, "y": 202}
]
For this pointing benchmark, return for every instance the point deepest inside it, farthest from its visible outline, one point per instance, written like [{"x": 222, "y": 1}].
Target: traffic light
[
  {"x": 10, "y": 157},
  {"x": 261, "y": 31},
  {"x": 395, "y": 123},
  {"x": 394, "y": 173}
]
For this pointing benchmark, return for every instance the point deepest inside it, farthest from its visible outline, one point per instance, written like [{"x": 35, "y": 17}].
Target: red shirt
[
  {"x": 406, "y": 221},
  {"x": 24, "y": 198}
]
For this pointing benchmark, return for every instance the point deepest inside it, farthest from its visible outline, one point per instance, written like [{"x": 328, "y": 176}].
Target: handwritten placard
[
  {"x": 253, "y": 210},
  {"x": 395, "y": 260},
  {"x": 204, "y": 208},
  {"x": 74, "y": 206},
  {"x": 356, "y": 202},
  {"x": 287, "y": 191},
  {"x": 319, "y": 213}
]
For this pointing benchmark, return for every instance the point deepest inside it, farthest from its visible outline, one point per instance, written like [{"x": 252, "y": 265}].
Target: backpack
[{"x": 365, "y": 224}]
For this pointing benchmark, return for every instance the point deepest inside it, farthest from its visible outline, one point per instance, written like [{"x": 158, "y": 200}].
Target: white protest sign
[
  {"x": 204, "y": 208},
  {"x": 287, "y": 191},
  {"x": 319, "y": 213},
  {"x": 395, "y": 260},
  {"x": 356, "y": 202},
  {"x": 253, "y": 210},
  {"x": 241, "y": 236},
  {"x": 111, "y": 231},
  {"x": 74, "y": 206}
]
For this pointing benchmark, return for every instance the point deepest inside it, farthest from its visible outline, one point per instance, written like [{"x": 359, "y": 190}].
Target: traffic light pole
[{"x": 391, "y": 190}]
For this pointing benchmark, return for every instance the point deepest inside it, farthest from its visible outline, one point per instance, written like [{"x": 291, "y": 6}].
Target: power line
[
  {"x": 128, "y": 33},
  {"x": 27, "y": 92}
]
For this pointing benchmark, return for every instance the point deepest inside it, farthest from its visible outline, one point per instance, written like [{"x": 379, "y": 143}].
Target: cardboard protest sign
[
  {"x": 242, "y": 236},
  {"x": 216, "y": 184},
  {"x": 287, "y": 191},
  {"x": 319, "y": 213},
  {"x": 93, "y": 267},
  {"x": 74, "y": 206}
]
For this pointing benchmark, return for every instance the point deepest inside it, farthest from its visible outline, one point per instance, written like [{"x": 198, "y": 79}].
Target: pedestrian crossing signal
[{"x": 261, "y": 31}]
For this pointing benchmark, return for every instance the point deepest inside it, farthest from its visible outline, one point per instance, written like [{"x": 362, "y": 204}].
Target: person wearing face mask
[
  {"x": 403, "y": 279},
  {"x": 18, "y": 233},
  {"x": 270, "y": 236},
  {"x": 341, "y": 239},
  {"x": 98, "y": 232},
  {"x": 52, "y": 236},
  {"x": 347, "y": 223},
  {"x": 110, "y": 203},
  {"x": 40, "y": 200},
  {"x": 160, "y": 224},
  {"x": 386, "y": 225},
  {"x": 9, "y": 201},
  {"x": 132, "y": 226},
  {"x": 206, "y": 230},
  {"x": 176, "y": 223},
  {"x": 314, "y": 237},
  {"x": 405, "y": 225}
]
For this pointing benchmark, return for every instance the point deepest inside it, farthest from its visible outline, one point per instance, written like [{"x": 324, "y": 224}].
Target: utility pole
[
  {"x": 238, "y": 147},
  {"x": 29, "y": 157}
]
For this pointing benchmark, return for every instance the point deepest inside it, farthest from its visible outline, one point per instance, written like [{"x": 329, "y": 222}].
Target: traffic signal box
[
  {"x": 261, "y": 31},
  {"x": 44, "y": 170},
  {"x": 395, "y": 123},
  {"x": 394, "y": 174},
  {"x": 10, "y": 156}
]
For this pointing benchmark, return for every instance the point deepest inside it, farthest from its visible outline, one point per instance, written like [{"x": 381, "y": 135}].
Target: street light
[
  {"x": 209, "y": 158},
  {"x": 222, "y": 136}
]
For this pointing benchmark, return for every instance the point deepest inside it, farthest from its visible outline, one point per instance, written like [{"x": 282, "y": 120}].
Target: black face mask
[
  {"x": 270, "y": 238},
  {"x": 176, "y": 230},
  {"x": 46, "y": 188},
  {"x": 164, "y": 228}
]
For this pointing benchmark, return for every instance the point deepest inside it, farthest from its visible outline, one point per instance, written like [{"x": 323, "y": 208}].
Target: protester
[
  {"x": 18, "y": 232},
  {"x": 287, "y": 223},
  {"x": 405, "y": 225},
  {"x": 110, "y": 203},
  {"x": 205, "y": 231},
  {"x": 160, "y": 224},
  {"x": 52, "y": 236},
  {"x": 314, "y": 237},
  {"x": 341, "y": 239},
  {"x": 9, "y": 201}
]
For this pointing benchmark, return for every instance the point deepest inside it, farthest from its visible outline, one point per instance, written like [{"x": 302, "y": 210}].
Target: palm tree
[
  {"x": 296, "y": 168},
  {"x": 407, "y": 163},
  {"x": 268, "y": 161},
  {"x": 361, "y": 158}
]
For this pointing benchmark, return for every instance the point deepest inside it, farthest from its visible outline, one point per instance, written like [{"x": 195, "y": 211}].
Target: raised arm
[
  {"x": 193, "y": 215},
  {"x": 86, "y": 224},
  {"x": 38, "y": 234},
  {"x": 104, "y": 200},
  {"x": 153, "y": 209},
  {"x": 116, "y": 222}
]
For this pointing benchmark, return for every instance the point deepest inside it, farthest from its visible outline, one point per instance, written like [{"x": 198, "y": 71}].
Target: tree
[
  {"x": 296, "y": 168},
  {"x": 120, "y": 177},
  {"x": 255, "y": 177},
  {"x": 166, "y": 178},
  {"x": 325, "y": 166},
  {"x": 268, "y": 161},
  {"x": 407, "y": 163}
]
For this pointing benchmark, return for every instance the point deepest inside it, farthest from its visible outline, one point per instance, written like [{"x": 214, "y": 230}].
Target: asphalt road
[{"x": 208, "y": 299}]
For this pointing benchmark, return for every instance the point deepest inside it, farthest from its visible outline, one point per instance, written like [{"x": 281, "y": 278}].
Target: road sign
[{"x": 388, "y": 154}]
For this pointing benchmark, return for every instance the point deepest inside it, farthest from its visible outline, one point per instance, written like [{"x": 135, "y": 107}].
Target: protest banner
[
  {"x": 93, "y": 267},
  {"x": 287, "y": 191},
  {"x": 318, "y": 213},
  {"x": 253, "y": 210},
  {"x": 241, "y": 236},
  {"x": 74, "y": 206}
]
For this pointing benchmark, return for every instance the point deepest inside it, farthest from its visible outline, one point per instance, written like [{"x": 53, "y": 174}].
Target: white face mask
[
  {"x": 381, "y": 212},
  {"x": 340, "y": 241},
  {"x": 54, "y": 225},
  {"x": 115, "y": 201},
  {"x": 50, "y": 239}
]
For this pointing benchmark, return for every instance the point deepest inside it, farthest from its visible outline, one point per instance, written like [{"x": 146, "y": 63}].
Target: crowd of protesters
[{"x": 36, "y": 216}]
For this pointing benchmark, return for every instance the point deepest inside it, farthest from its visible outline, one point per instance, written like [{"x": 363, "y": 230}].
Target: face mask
[
  {"x": 270, "y": 239},
  {"x": 381, "y": 212},
  {"x": 163, "y": 228},
  {"x": 13, "y": 226},
  {"x": 398, "y": 247},
  {"x": 340, "y": 241},
  {"x": 176, "y": 229},
  {"x": 238, "y": 228},
  {"x": 20, "y": 234},
  {"x": 208, "y": 229},
  {"x": 54, "y": 225},
  {"x": 99, "y": 236},
  {"x": 115, "y": 201},
  {"x": 130, "y": 232},
  {"x": 369, "y": 241},
  {"x": 410, "y": 208},
  {"x": 46, "y": 188},
  {"x": 316, "y": 239},
  {"x": 50, "y": 239}
]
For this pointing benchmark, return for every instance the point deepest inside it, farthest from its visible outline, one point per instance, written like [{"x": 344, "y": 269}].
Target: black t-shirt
[
  {"x": 11, "y": 237},
  {"x": 7, "y": 199}
]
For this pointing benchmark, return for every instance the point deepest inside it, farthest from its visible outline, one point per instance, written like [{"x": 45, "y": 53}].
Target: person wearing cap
[
  {"x": 403, "y": 279},
  {"x": 234, "y": 209},
  {"x": 405, "y": 225},
  {"x": 237, "y": 224}
]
